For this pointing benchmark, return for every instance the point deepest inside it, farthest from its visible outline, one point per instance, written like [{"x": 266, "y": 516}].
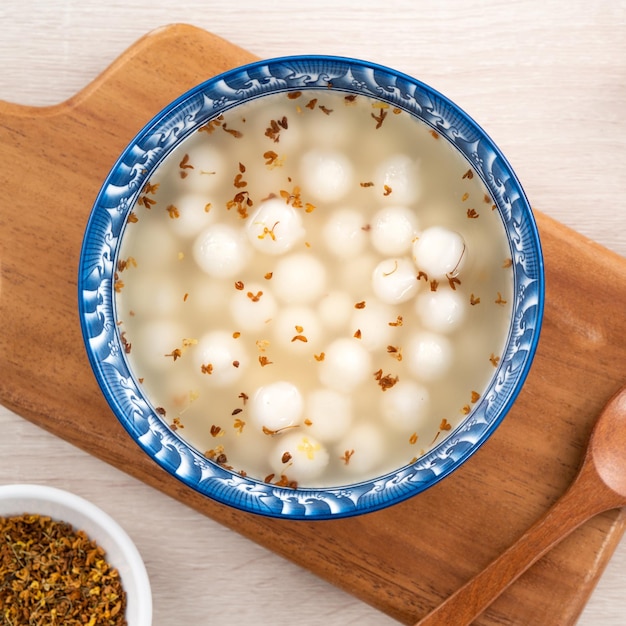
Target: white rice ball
[
  {"x": 207, "y": 296},
  {"x": 178, "y": 389},
  {"x": 299, "y": 278},
  {"x": 154, "y": 340},
  {"x": 347, "y": 364},
  {"x": 222, "y": 357},
  {"x": 405, "y": 406},
  {"x": 283, "y": 141},
  {"x": 275, "y": 227},
  {"x": 276, "y": 405},
  {"x": 400, "y": 174},
  {"x": 200, "y": 167},
  {"x": 252, "y": 307},
  {"x": 428, "y": 355},
  {"x": 330, "y": 413},
  {"x": 248, "y": 450},
  {"x": 441, "y": 311},
  {"x": 335, "y": 310},
  {"x": 365, "y": 446},
  {"x": 221, "y": 251},
  {"x": 300, "y": 457},
  {"x": 327, "y": 175},
  {"x": 439, "y": 251},
  {"x": 344, "y": 233},
  {"x": 355, "y": 273},
  {"x": 195, "y": 212},
  {"x": 154, "y": 294},
  {"x": 328, "y": 131},
  {"x": 152, "y": 245},
  {"x": 393, "y": 230},
  {"x": 373, "y": 323},
  {"x": 395, "y": 281}
]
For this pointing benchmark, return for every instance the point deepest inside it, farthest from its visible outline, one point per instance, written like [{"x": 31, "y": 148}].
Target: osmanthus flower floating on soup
[{"x": 314, "y": 290}]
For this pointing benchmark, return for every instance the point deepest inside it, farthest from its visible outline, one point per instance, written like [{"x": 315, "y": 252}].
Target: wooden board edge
[{"x": 155, "y": 38}]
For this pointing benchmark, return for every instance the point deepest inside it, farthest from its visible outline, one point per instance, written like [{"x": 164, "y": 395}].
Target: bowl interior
[{"x": 160, "y": 138}]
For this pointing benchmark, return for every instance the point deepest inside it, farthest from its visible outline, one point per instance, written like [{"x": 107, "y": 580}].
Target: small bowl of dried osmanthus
[{"x": 65, "y": 561}]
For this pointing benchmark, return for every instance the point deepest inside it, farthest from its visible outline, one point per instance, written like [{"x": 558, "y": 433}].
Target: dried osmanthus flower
[{"x": 51, "y": 573}]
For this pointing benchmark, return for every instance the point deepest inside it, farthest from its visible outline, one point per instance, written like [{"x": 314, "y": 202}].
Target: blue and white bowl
[{"x": 121, "y": 190}]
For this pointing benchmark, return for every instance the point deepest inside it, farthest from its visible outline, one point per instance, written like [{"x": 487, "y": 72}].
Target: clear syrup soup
[{"x": 314, "y": 289}]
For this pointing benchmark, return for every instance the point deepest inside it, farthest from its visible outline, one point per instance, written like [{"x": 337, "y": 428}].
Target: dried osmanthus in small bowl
[
  {"x": 64, "y": 561},
  {"x": 311, "y": 287}
]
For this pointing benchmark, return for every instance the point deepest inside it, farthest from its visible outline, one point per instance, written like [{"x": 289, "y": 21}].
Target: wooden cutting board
[{"x": 403, "y": 560}]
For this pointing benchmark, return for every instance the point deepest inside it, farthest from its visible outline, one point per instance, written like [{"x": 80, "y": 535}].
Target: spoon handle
[{"x": 586, "y": 497}]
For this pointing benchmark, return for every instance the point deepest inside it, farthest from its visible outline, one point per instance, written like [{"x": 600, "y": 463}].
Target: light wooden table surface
[{"x": 546, "y": 79}]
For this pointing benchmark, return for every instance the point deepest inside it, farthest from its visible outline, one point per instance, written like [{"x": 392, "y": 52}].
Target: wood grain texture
[
  {"x": 543, "y": 436},
  {"x": 599, "y": 486}
]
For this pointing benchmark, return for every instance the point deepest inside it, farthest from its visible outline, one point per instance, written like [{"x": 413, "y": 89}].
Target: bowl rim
[
  {"x": 171, "y": 126},
  {"x": 62, "y": 505}
]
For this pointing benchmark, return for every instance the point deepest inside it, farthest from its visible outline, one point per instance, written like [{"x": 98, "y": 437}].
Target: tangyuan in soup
[{"x": 314, "y": 288}]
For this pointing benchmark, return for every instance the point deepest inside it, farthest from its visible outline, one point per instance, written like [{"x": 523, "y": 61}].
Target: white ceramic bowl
[{"x": 121, "y": 552}]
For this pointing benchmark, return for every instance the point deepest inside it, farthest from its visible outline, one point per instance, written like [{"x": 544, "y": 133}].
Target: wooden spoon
[{"x": 599, "y": 486}]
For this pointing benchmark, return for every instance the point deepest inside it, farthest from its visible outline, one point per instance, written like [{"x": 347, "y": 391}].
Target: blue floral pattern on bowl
[{"x": 117, "y": 198}]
